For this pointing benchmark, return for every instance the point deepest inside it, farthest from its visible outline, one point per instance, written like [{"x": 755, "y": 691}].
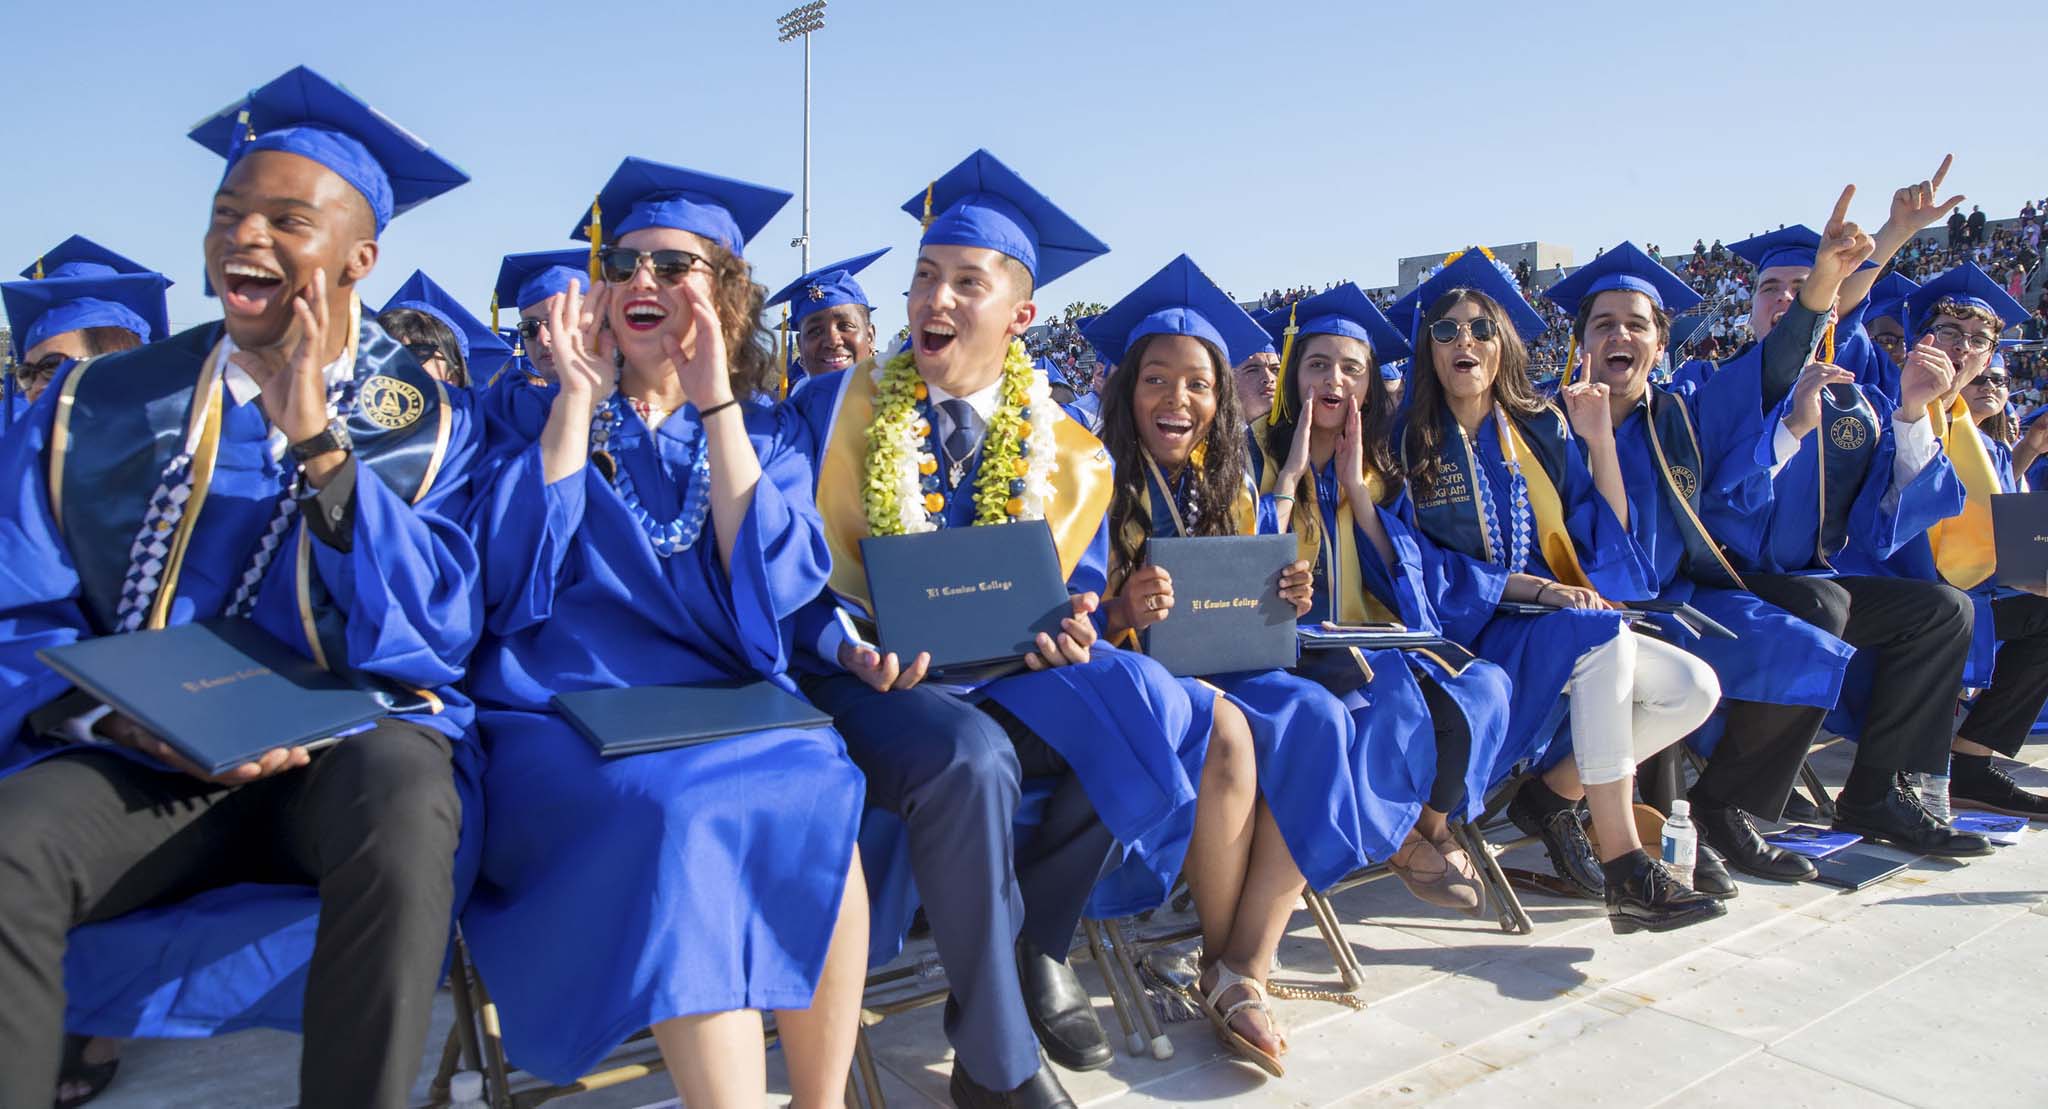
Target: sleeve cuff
[{"x": 331, "y": 511}]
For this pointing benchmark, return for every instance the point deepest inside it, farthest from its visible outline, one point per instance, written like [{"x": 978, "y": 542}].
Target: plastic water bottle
[
  {"x": 466, "y": 1090},
  {"x": 1681, "y": 841},
  {"x": 1934, "y": 794}
]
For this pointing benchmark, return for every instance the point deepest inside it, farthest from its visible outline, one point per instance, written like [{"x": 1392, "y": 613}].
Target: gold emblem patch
[
  {"x": 390, "y": 403},
  {"x": 1848, "y": 433},
  {"x": 1688, "y": 485}
]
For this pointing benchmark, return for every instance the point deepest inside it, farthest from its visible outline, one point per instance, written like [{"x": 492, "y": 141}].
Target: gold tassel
[
  {"x": 248, "y": 132},
  {"x": 927, "y": 222},
  {"x": 38, "y": 275},
  {"x": 494, "y": 310},
  {"x": 781, "y": 361},
  {"x": 1571, "y": 361},
  {"x": 1827, "y": 344},
  {"x": 596, "y": 231},
  {"x": 1281, "y": 397}
]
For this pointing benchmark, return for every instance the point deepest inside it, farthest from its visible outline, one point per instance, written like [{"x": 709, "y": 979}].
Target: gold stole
[
  {"x": 1552, "y": 537},
  {"x": 1080, "y": 480},
  {"x": 1963, "y": 549},
  {"x": 1351, "y": 602}
]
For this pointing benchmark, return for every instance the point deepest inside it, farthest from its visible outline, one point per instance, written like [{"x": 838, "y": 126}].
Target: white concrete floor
[{"x": 1920, "y": 990}]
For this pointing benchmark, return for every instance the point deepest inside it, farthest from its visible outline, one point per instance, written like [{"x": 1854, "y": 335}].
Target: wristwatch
[{"x": 335, "y": 438}]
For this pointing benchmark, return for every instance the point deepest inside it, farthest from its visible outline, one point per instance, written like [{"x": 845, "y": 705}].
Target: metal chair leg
[
  {"x": 1507, "y": 907},
  {"x": 1325, "y": 915},
  {"x": 864, "y": 1065},
  {"x": 497, "y": 1072},
  {"x": 1112, "y": 977},
  {"x": 1818, "y": 790}
]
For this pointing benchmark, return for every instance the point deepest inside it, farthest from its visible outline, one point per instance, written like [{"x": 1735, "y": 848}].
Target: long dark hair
[
  {"x": 1511, "y": 388},
  {"x": 1376, "y": 423},
  {"x": 1218, "y": 481}
]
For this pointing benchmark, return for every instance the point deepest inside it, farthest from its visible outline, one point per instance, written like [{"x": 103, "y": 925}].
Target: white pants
[{"x": 1631, "y": 697}]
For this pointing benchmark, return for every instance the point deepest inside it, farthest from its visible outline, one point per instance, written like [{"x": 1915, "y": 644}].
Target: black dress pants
[
  {"x": 2005, "y": 712},
  {"x": 373, "y": 822}
]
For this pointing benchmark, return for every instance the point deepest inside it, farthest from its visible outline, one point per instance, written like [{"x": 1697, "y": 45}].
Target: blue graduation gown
[
  {"x": 1119, "y": 720},
  {"x": 1776, "y": 657},
  {"x": 618, "y": 893},
  {"x": 236, "y": 957},
  {"x": 1538, "y": 652}
]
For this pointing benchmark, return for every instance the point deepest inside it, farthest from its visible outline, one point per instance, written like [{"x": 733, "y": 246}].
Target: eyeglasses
[
  {"x": 618, "y": 264},
  {"x": 1995, "y": 381},
  {"x": 528, "y": 329},
  {"x": 1976, "y": 342},
  {"x": 425, "y": 352},
  {"x": 1447, "y": 331}
]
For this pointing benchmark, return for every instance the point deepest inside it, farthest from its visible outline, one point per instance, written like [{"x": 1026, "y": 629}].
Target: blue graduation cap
[
  {"x": 473, "y": 337},
  {"x": 304, "y": 113},
  {"x": 982, "y": 202},
  {"x": 1787, "y": 246},
  {"x": 79, "y": 256},
  {"x": 1623, "y": 267},
  {"x": 827, "y": 286},
  {"x": 525, "y": 280},
  {"x": 37, "y": 310},
  {"x": 1474, "y": 270},
  {"x": 1178, "y": 300},
  {"x": 1965, "y": 284},
  {"x": 1265, "y": 318},
  {"x": 1888, "y": 296},
  {"x": 1346, "y": 310},
  {"x": 643, "y": 193}
]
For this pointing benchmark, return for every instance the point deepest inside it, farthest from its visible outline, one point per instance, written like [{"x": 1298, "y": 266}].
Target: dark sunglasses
[
  {"x": 1447, "y": 331},
  {"x": 530, "y": 328},
  {"x": 421, "y": 352},
  {"x": 617, "y": 264},
  {"x": 1996, "y": 381},
  {"x": 41, "y": 368}
]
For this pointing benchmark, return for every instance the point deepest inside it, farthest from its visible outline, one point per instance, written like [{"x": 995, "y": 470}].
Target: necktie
[{"x": 963, "y": 436}]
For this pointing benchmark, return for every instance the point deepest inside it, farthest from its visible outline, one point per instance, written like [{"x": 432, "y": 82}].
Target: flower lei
[{"x": 900, "y": 486}]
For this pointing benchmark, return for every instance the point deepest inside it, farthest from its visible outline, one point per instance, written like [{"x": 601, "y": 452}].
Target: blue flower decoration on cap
[
  {"x": 1888, "y": 296},
  {"x": 79, "y": 256},
  {"x": 1965, "y": 284},
  {"x": 828, "y": 286},
  {"x": 305, "y": 114},
  {"x": 472, "y": 336},
  {"x": 643, "y": 193},
  {"x": 1471, "y": 270},
  {"x": 982, "y": 202},
  {"x": 1623, "y": 267},
  {"x": 525, "y": 280},
  {"x": 1178, "y": 300}
]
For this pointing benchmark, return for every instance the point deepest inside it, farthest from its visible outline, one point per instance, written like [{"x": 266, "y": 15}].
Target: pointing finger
[{"x": 1841, "y": 211}]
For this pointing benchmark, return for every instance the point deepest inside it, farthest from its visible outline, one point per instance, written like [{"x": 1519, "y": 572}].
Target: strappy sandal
[
  {"x": 95, "y": 1077},
  {"x": 1441, "y": 885},
  {"x": 1226, "y": 980},
  {"x": 1461, "y": 874}
]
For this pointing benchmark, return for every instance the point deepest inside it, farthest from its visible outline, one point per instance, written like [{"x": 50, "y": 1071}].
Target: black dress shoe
[
  {"x": 1898, "y": 818},
  {"x": 1642, "y": 896},
  {"x": 1040, "y": 1091},
  {"x": 1979, "y": 784},
  {"x": 1060, "y": 1011},
  {"x": 1564, "y": 839},
  {"x": 1729, "y": 832},
  {"x": 1710, "y": 874}
]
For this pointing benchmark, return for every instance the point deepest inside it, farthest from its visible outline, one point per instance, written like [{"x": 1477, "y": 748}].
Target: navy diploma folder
[
  {"x": 2019, "y": 529},
  {"x": 970, "y": 596},
  {"x": 629, "y": 720},
  {"x": 1227, "y": 615},
  {"x": 221, "y": 692}
]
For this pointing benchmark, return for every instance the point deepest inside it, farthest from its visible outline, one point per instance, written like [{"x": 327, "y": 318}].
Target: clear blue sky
[{"x": 1276, "y": 143}]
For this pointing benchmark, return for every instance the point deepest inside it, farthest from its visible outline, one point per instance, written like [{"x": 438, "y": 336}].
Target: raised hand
[
  {"x": 583, "y": 363},
  {"x": 1351, "y": 458},
  {"x": 295, "y": 394},
  {"x": 1843, "y": 245},
  {"x": 1803, "y": 414},
  {"x": 1926, "y": 377},
  {"x": 1296, "y": 466},
  {"x": 1914, "y": 206},
  {"x": 701, "y": 367},
  {"x": 1585, "y": 404},
  {"x": 1297, "y": 587},
  {"x": 1077, "y": 638}
]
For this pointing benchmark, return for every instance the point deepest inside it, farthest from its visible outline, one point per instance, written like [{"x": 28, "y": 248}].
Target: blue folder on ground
[
  {"x": 633, "y": 719},
  {"x": 970, "y": 596},
  {"x": 1228, "y": 615},
  {"x": 1812, "y": 842},
  {"x": 221, "y": 692}
]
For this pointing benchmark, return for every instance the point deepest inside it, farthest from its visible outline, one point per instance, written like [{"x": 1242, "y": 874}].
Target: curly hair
[
  {"x": 1423, "y": 442},
  {"x": 1376, "y": 424},
  {"x": 750, "y": 359},
  {"x": 1218, "y": 481}
]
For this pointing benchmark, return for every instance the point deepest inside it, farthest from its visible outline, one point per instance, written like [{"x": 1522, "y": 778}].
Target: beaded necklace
[
  {"x": 1514, "y": 556},
  {"x": 668, "y": 537}
]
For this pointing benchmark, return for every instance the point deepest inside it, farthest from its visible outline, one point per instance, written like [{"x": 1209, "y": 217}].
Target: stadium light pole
[{"x": 799, "y": 23}]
